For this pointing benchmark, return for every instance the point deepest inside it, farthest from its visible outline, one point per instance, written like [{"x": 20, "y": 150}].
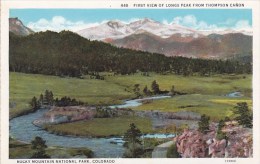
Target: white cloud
[
  {"x": 189, "y": 20},
  {"x": 204, "y": 26},
  {"x": 227, "y": 22},
  {"x": 192, "y": 22},
  {"x": 177, "y": 20},
  {"x": 242, "y": 24},
  {"x": 59, "y": 23},
  {"x": 165, "y": 22}
]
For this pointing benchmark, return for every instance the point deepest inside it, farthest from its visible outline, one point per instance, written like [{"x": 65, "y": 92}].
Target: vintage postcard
[{"x": 125, "y": 81}]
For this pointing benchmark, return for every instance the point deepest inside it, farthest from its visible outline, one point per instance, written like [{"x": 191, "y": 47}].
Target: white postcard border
[{"x": 6, "y": 5}]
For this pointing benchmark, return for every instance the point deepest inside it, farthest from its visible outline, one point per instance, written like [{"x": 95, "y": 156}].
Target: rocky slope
[
  {"x": 193, "y": 144},
  {"x": 17, "y": 27}
]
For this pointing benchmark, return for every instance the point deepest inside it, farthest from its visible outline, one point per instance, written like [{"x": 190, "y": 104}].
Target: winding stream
[
  {"x": 235, "y": 94},
  {"x": 137, "y": 102},
  {"x": 21, "y": 128}
]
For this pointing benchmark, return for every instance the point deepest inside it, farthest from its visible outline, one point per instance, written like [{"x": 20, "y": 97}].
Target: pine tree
[
  {"x": 41, "y": 99},
  {"x": 145, "y": 90},
  {"x": 38, "y": 144},
  {"x": 220, "y": 134},
  {"x": 50, "y": 97},
  {"x": 34, "y": 104},
  {"x": 137, "y": 90},
  {"x": 133, "y": 142},
  {"x": 204, "y": 124},
  {"x": 173, "y": 91},
  {"x": 46, "y": 97},
  {"x": 243, "y": 115},
  {"x": 155, "y": 87}
]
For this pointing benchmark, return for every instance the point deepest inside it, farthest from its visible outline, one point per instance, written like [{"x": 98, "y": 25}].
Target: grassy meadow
[
  {"x": 24, "y": 86},
  {"x": 212, "y": 85},
  {"x": 206, "y": 93},
  {"x": 217, "y": 107},
  {"x": 101, "y": 127}
]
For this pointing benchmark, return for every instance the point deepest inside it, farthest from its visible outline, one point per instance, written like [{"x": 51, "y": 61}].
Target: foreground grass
[
  {"x": 19, "y": 150},
  {"x": 217, "y": 107},
  {"x": 101, "y": 127}
]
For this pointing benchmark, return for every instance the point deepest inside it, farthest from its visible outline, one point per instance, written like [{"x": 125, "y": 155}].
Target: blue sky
[{"x": 74, "y": 19}]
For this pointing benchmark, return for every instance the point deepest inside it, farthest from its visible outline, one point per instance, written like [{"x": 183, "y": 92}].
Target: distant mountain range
[
  {"x": 116, "y": 29},
  {"x": 16, "y": 26},
  {"x": 213, "y": 46},
  {"x": 170, "y": 40}
]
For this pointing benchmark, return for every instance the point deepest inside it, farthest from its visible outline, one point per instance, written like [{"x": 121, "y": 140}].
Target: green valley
[{"x": 206, "y": 93}]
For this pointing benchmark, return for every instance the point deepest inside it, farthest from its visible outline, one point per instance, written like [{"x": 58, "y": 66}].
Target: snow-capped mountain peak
[
  {"x": 116, "y": 29},
  {"x": 112, "y": 29}
]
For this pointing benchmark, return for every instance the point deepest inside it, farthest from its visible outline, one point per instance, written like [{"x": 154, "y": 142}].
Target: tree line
[
  {"x": 48, "y": 99},
  {"x": 68, "y": 54},
  {"x": 155, "y": 89}
]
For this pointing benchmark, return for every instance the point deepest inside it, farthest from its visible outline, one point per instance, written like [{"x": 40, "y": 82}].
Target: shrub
[{"x": 204, "y": 124}]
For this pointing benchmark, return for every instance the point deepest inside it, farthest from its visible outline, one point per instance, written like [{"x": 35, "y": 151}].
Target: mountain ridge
[
  {"x": 117, "y": 29},
  {"x": 213, "y": 46},
  {"x": 171, "y": 39},
  {"x": 17, "y": 27},
  {"x": 154, "y": 27}
]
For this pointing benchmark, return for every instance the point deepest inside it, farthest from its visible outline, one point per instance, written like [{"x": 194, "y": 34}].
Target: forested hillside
[{"x": 68, "y": 54}]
